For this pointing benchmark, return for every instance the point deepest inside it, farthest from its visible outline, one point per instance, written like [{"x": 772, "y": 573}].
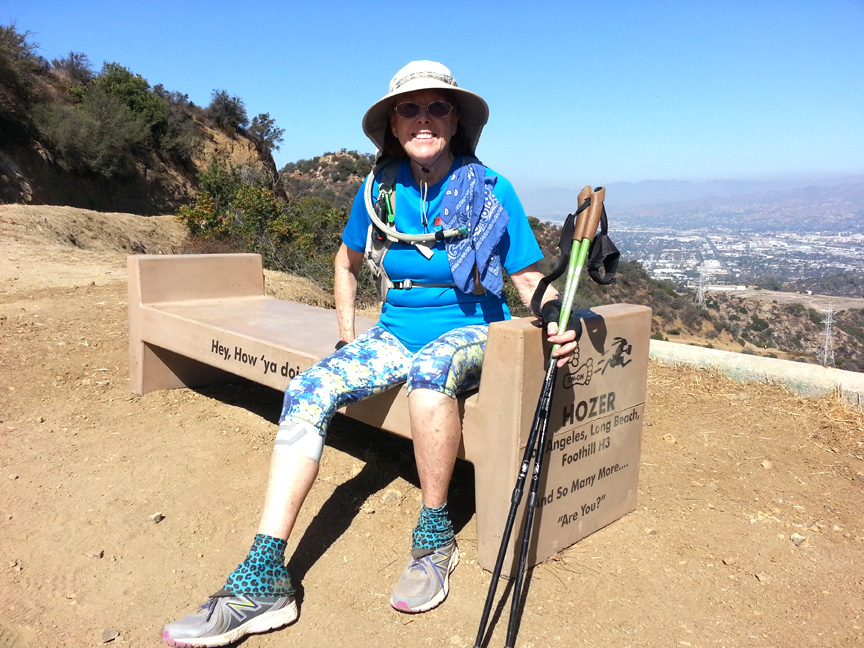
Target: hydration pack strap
[{"x": 408, "y": 284}]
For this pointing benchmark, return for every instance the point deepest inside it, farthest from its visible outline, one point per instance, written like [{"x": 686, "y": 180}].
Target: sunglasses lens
[
  {"x": 408, "y": 110},
  {"x": 438, "y": 109}
]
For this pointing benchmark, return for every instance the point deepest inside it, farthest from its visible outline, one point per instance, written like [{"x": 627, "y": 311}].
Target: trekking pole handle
[
  {"x": 581, "y": 208},
  {"x": 583, "y": 234},
  {"x": 589, "y": 221}
]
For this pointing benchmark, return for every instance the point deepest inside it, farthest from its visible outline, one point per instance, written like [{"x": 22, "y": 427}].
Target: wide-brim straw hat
[{"x": 426, "y": 75}]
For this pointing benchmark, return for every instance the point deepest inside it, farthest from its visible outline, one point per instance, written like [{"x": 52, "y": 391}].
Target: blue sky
[{"x": 579, "y": 93}]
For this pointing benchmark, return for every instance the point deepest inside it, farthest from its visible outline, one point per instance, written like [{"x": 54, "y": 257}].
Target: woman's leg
[
  {"x": 371, "y": 364},
  {"x": 443, "y": 369},
  {"x": 291, "y": 478},
  {"x": 436, "y": 431}
]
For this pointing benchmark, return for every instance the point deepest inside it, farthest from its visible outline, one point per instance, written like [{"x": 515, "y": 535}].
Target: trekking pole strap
[
  {"x": 565, "y": 245},
  {"x": 603, "y": 253},
  {"x": 580, "y": 232}
]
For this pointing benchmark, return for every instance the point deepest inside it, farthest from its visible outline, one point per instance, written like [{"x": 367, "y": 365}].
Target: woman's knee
[
  {"x": 450, "y": 365},
  {"x": 301, "y": 438}
]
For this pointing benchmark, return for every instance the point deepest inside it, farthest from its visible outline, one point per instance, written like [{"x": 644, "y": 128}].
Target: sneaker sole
[
  {"x": 436, "y": 600},
  {"x": 263, "y": 623}
]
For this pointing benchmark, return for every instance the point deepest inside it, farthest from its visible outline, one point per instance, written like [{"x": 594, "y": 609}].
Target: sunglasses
[{"x": 436, "y": 109}]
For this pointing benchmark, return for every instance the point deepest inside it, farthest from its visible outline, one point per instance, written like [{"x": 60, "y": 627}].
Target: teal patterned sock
[
  {"x": 263, "y": 573},
  {"x": 434, "y": 529}
]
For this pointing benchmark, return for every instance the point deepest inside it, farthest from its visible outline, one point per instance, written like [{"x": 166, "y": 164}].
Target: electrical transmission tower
[
  {"x": 826, "y": 353},
  {"x": 700, "y": 291}
]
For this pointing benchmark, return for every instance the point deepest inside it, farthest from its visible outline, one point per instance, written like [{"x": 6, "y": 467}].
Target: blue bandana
[{"x": 469, "y": 202}]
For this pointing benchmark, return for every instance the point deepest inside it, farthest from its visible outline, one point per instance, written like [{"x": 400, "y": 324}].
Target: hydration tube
[{"x": 393, "y": 234}]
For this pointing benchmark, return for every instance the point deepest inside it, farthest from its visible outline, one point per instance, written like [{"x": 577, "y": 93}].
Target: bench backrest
[{"x": 185, "y": 277}]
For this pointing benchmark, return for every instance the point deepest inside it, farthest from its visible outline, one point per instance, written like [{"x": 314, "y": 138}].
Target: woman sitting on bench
[{"x": 448, "y": 228}]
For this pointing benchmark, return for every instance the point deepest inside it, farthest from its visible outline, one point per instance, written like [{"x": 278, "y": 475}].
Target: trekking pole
[
  {"x": 587, "y": 216},
  {"x": 582, "y": 237}
]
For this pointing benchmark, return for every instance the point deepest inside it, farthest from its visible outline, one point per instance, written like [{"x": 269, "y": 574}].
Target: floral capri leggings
[{"x": 376, "y": 361}]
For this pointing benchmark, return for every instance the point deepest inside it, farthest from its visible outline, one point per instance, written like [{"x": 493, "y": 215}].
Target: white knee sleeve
[{"x": 301, "y": 438}]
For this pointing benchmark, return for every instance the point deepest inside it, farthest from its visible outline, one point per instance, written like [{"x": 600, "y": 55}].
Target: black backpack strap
[{"x": 389, "y": 169}]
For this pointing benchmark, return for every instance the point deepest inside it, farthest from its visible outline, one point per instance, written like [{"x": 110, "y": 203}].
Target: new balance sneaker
[
  {"x": 426, "y": 580},
  {"x": 225, "y": 618}
]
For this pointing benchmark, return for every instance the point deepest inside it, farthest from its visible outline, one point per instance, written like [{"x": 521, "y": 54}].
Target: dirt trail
[{"x": 749, "y": 529}]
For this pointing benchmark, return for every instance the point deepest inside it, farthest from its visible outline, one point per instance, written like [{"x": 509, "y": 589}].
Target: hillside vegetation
[
  {"x": 842, "y": 284},
  {"x": 333, "y": 176}
]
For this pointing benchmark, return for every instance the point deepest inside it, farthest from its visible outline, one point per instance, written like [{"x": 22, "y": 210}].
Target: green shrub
[
  {"x": 308, "y": 235},
  {"x": 758, "y": 324},
  {"x": 220, "y": 209},
  {"x": 229, "y": 113},
  {"x": 182, "y": 139},
  {"x": 117, "y": 117},
  {"x": 795, "y": 308},
  {"x": 240, "y": 208},
  {"x": 264, "y": 132},
  {"x": 99, "y": 136},
  {"x": 75, "y": 67},
  {"x": 202, "y": 219},
  {"x": 20, "y": 69},
  {"x": 19, "y": 62},
  {"x": 221, "y": 181},
  {"x": 133, "y": 91}
]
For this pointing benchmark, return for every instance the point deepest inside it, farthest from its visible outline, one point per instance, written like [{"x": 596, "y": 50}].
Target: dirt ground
[{"x": 120, "y": 513}]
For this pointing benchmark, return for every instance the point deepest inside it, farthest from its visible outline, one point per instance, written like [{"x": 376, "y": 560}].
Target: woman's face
[{"x": 426, "y": 139}]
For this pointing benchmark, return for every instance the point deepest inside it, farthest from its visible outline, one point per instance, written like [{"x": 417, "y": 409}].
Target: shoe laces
[
  {"x": 210, "y": 606},
  {"x": 419, "y": 564}
]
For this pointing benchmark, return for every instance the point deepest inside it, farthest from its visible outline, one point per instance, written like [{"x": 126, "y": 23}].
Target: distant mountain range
[{"x": 834, "y": 204}]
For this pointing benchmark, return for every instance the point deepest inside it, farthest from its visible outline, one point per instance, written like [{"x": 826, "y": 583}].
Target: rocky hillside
[
  {"x": 109, "y": 140},
  {"x": 31, "y": 174},
  {"x": 789, "y": 330},
  {"x": 335, "y": 177}
]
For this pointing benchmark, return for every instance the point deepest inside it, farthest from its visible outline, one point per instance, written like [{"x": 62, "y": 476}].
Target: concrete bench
[{"x": 198, "y": 319}]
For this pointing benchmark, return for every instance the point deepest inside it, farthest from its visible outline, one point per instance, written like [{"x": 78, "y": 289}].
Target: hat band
[{"x": 443, "y": 78}]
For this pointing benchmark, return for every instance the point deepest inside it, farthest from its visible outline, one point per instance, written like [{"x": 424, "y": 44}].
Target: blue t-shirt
[{"x": 418, "y": 316}]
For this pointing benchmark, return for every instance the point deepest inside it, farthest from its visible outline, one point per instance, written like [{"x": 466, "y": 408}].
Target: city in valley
[
  {"x": 728, "y": 261},
  {"x": 726, "y": 235}
]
